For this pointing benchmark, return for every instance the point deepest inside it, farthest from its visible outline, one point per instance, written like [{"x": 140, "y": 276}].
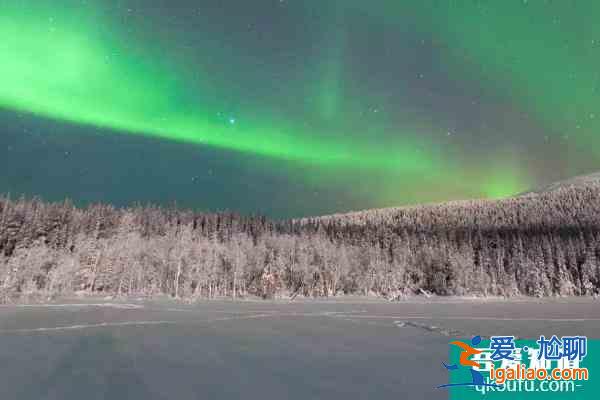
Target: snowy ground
[{"x": 331, "y": 349}]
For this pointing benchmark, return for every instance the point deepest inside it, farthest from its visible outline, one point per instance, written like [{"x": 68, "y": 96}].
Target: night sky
[{"x": 295, "y": 107}]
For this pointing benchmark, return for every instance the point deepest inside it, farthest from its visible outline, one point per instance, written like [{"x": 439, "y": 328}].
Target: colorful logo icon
[{"x": 467, "y": 352}]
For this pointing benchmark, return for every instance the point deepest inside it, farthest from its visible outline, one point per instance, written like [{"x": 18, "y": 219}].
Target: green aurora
[
  {"x": 70, "y": 76},
  {"x": 87, "y": 65}
]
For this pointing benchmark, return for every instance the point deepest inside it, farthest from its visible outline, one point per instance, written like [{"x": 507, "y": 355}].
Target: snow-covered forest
[{"x": 537, "y": 245}]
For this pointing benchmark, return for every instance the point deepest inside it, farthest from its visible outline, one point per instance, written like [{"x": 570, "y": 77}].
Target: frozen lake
[{"x": 351, "y": 349}]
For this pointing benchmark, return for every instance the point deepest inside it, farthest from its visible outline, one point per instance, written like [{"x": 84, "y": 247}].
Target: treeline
[{"x": 537, "y": 245}]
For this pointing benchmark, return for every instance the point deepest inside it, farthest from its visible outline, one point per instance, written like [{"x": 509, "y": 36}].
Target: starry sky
[{"x": 295, "y": 107}]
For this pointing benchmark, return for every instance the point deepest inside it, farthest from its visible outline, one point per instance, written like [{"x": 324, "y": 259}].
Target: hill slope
[
  {"x": 589, "y": 180},
  {"x": 573, "y": 203}
]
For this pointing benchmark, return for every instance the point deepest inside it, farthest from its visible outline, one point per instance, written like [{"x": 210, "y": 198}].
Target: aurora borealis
[{"x": 295, "y": 107}]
